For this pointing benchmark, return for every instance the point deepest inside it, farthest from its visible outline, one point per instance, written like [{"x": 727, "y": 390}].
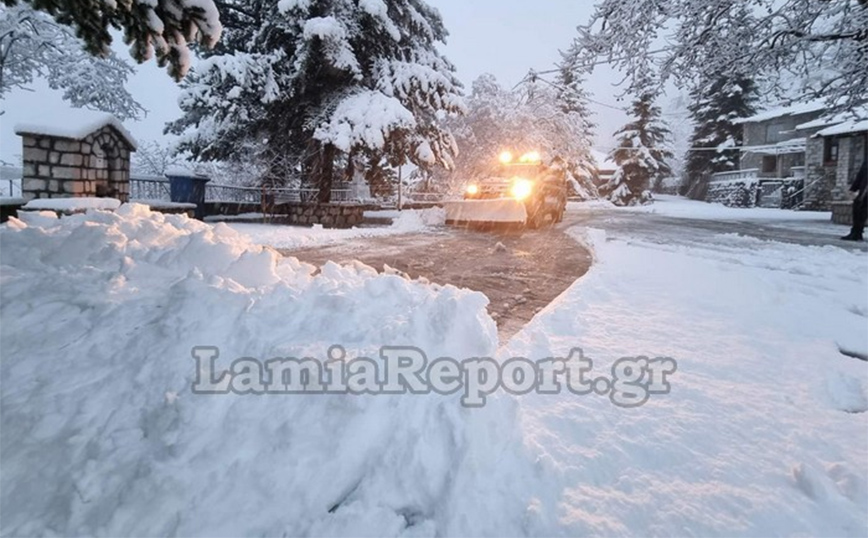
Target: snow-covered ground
[
  {"x": 680, "y": 207},
  {"x": 293, "y": 237},
  {"x": 763, "y": 432}
]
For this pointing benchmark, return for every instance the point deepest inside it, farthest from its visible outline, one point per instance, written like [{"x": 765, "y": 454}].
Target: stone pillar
[{"x": 844, "y": 171}]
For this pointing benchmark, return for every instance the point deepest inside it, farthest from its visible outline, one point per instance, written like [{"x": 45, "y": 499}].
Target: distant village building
[
  {"x": 83, "y": 154},
  {"x": 794, "y": 157}
]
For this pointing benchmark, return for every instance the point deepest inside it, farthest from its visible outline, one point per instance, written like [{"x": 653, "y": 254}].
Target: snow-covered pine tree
[
  {"x": 327, "y": 82},
  {"x": 573, "y": 99},
  {"x": 713, "y": 108},
  {"x": 162, "y": 26},
  {"x": 641, "y": 154},
  {"x": 33, "y": 45}
]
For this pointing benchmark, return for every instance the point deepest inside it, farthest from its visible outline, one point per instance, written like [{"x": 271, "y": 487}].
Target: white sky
[{"x": 502, "y": 37}]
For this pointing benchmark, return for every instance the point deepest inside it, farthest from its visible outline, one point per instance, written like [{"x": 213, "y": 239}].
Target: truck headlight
[
  {"x": 472, "y": 189},
  {"x": 521, "y": 189}
]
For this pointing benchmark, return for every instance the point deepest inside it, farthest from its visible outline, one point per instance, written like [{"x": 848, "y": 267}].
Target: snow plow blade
[{"x": 493, "y": 211}]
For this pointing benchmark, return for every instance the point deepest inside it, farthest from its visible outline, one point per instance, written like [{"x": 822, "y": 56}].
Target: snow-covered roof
[
  {"x": 848, "y": 127},
  {"x": 801, "y": 108},
  {"x": 845, "y": 118},
  {"x": 75, "y": 123}
]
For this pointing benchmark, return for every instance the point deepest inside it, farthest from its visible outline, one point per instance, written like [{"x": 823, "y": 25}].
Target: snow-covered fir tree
[
  {"x": 333, "y": 84},
  {"x": 164, "y": 27},
  {"x": 641, "y": 154},
  {"x": 713, "y": 109},
  {"x": 573, "y": 99},
  {"x": 33, "y": 45}
]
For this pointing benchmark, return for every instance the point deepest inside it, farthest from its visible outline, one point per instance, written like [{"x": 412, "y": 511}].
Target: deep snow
[{"x": 762, "y": 434}]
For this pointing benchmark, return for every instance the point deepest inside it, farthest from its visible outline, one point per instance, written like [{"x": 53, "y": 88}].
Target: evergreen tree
[
  {"x": 574, "y": 103},
  {"x": 162, "y": 26},
  {"x": 713, "y": 109},
  {"x": 641, "y": 155},
  {"x": 328, "y": 83}
]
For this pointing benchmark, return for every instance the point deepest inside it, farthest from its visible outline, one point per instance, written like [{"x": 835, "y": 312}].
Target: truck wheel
[{"x": 534, "y": 221}]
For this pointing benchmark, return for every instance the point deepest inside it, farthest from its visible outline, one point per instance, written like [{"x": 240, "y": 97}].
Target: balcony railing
[{"x": 735, "y": 175}]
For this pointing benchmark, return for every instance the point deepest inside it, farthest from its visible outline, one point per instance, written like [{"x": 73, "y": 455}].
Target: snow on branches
[
  {"x": 550, "y": 118},
  {"x": 820, "y": 48},
  {"x": 166, "y": 27},
  {"x": 33, "y": 45},
  {"x": 367, "y": 119},
  {"x": 641, "y": 155},
  {"x": 346, "y": 81}
]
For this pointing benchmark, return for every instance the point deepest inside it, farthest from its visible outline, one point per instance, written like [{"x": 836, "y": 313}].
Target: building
[
  {"x": 83, "y": 154},
  {"x": 794, "y": 157},
  {"x": 835, "y": 149}
]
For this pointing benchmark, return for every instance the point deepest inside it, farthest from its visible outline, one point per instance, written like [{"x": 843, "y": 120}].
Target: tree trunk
[{"x": 326, "y": 174}]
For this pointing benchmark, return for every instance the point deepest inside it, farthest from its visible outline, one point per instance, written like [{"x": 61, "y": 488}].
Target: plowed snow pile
[{"x": 103, "y": 436}]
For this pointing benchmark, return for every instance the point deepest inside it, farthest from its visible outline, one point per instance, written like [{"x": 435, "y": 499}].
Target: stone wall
[
  {"x": 98, "y": 165},
  {"x": 328, "y": 215},
  {"x": 306, "y": 214},
  {"x": 750, "y": 192},
  {"x": 733, "y": 193}
]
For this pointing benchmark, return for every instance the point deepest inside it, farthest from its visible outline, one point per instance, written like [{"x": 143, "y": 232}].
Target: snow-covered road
[{"x": 764, "y": 431}]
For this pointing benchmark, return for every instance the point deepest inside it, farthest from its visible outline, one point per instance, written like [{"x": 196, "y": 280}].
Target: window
[
  {"x": 770, "y": 164},
  {"x": 830, "y": 152}
]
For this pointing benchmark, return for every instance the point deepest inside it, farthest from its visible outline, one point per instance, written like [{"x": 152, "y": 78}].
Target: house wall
[
  {"x": 826, "y": 185},
  {"x": 98, "y": 165},
  {"x": 758, "y": 134},
  {"x": 851, "y": 153},
  {"x": 819, "y": 179}
]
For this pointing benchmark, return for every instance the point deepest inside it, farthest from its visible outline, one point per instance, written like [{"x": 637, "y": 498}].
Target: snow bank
[
  {"x": 103, "y": 437},
  {"x": 295, "y": 237},
  {"x": 763, "y": 431},
  {"x": 72, "y": 204},
  {"x": 679, "y": 207}
]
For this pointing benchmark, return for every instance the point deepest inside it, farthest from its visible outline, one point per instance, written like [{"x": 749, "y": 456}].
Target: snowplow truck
[{"x": 519, "y": 191}]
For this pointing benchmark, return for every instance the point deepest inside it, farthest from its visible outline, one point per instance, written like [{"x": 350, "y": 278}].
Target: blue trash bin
[{"x": 189, "y": 189}]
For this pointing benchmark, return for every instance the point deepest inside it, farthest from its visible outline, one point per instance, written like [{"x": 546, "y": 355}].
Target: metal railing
[
  {"x": 232, "y": 193},
  {"x": 150, "y": 188},
  {"x": 10, "y": 188},
  {"x": 157, "y": 188}
]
